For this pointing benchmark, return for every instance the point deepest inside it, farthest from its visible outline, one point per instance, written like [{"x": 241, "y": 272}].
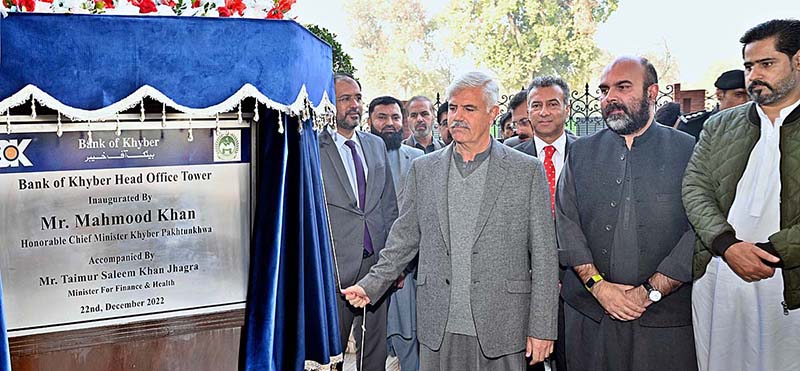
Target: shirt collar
[
  {"x": 784, "y": 112},
  {"x": 560, "y": 143},
  {"x": 340, "y": 139},
  {"x": 416, "y": 144},
  {"x": 480, "y": 157}
]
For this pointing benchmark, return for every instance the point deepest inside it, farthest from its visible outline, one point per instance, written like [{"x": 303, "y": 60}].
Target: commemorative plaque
[{"x": 107, "y": 226}]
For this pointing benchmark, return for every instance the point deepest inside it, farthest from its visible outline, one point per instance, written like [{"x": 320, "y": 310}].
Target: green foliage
[
  {"x": 397, "y": 44},
  {"x": 519, "y": 39},
  {"x": 341, "y": 60}
]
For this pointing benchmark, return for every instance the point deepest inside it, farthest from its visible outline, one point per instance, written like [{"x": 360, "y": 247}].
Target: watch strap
[{"x": 592, "y": 281}]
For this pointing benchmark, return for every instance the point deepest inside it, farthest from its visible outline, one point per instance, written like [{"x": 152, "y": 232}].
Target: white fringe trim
[
  {"x": 315, "y": 366},
  {"x": 301, "y": 107}
]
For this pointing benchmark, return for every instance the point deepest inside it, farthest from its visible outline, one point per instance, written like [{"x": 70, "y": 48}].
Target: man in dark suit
[
  {"x": 518, "y": 108},
  {"x": 547, "y": 112},
  {"x": 623, "y": 230},
  {"x": 486, "y": 298},
  {"x": 361, "y": 206}
]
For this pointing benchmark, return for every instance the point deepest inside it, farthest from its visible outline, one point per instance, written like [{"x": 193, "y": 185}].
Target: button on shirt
[
  {"x": 347, "y": 159},
  {"x": 558, "y": 157}
]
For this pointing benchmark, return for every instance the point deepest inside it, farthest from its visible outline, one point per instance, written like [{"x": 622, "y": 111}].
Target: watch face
[{"x": 654, "y": 295}]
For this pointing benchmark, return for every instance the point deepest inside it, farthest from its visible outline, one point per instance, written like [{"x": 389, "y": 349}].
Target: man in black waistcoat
[{"x": 623, "y": 230}]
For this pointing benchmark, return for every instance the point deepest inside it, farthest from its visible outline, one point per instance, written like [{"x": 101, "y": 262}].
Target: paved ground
[{"x": 350, "y": 359}]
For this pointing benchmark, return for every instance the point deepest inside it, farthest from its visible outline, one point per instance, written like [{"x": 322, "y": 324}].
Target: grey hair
[{"x": 491, "y": 90}]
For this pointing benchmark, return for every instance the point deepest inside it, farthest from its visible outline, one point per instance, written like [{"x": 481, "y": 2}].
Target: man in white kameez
[{"x": 741, "y": 193}]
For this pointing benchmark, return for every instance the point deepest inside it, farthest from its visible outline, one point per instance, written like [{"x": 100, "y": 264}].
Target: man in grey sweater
[{"x": 487, "y": 280}]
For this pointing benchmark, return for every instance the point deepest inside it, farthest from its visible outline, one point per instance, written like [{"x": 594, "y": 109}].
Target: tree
[
  {"x": 341, "y": 60},
  {"x": 519, "y": 39},
  {"x": 396, "y": 41},
  {"x": 666, "y": 66}
]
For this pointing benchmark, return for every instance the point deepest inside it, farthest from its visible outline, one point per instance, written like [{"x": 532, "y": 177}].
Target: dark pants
[
  {"x": 375, "y": 351},
  {"x": 463, "y": 353},
  {"x": 613, "y": 345}
]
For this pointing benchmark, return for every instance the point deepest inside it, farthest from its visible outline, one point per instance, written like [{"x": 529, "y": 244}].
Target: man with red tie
[{"x": 548, "y": 110}]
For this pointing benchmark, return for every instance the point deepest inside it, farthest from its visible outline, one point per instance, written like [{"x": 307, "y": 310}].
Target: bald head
[
  {"x": 629, "y": 88},
  {"x": 649, "y": 74}
]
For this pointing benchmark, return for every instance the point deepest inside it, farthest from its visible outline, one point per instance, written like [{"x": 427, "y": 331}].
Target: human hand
[
  {"x": 538, "y": 349},
  {"x": 747, "y": 261},
  {"x": 639, "y": 296},
  {"x": 400, "y": 281},
  {"x": 613, "y": 298},
  {"x": 356, "y": 296}
]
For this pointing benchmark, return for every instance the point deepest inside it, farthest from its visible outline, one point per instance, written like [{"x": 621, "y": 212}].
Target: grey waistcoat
[{"x": 464, "y": 201}]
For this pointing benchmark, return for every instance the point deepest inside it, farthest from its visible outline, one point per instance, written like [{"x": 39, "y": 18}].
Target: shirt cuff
[
  {"x": 770, "y": 248},
  {"x": 723, "y": 242}
]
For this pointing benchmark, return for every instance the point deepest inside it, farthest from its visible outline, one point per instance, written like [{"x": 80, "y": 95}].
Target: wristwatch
[
  {"x": 652, "y": 294},
  {"x": 591, "y": 281}
]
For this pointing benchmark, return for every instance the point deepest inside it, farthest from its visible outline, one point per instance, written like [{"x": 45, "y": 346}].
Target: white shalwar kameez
[{"x": 740, "y": 325}]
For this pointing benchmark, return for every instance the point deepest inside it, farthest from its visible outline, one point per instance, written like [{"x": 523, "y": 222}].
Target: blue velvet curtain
[
  {"x": 91, "y": 61},
  {"x": 291, "y": 305},
  {"x": 5, "y": 359}
]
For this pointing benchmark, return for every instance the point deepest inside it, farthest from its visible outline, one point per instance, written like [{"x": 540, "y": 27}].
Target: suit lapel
[
  {"x": 570, "y": 139},
  {"x": 374, "y": 189},
  {"x": 440, "y": 190},
  {"x": 405, "y": 161},
  {"x": 328, "y": 146},
  {"x": 494, "y": 182}
]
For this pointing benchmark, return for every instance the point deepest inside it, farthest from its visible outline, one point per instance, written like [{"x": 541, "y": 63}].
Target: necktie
[
  {"x": 361, "y": 183},
  {"x": 550, "y": 171}
]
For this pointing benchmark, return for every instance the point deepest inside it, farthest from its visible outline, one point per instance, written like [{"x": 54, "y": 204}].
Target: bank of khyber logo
[
  {"x": 227, "y": 145},
  {"x": 12, "y": 153}
]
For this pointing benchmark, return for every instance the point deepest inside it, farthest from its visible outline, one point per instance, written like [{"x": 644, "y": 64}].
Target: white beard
[{"x": 617, "y": 124}]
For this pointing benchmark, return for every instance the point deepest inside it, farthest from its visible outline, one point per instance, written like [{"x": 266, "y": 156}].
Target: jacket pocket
[
  {"x": 518, "y": 287},
  {"x": 421, "y": 278}
]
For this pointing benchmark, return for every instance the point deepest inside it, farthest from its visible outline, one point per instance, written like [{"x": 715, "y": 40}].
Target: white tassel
[
  {"x": 300, "y": 126},
  {"x": 255, "y": 114},
  {"x": 217, "y": 127},
  {"x": 163, "y": 115},
  {"x": 119, "y": 129},
  {"x": 240, "y": 112},
  {"x": 191, "y": 134},
  {"x": 141, "y": 102},
  {"x": 33, "y": 108},
  {"x": 8, "y": 121},
  {"x": 59, "y": 131},
  {"x": 89, "y": 134},
  {"x": 280, "y": 122}
]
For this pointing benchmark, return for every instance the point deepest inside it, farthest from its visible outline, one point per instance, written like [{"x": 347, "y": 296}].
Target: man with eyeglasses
[
  {"x": 519, "y": 119},
  {"x": 362, "y": 206}
]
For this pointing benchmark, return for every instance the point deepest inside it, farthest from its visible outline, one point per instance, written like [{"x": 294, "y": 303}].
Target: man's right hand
[
  {"x": 614, "y": 300},
  {"x": 747, "y": 261},
  {"x": 356, "y": 296}
]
